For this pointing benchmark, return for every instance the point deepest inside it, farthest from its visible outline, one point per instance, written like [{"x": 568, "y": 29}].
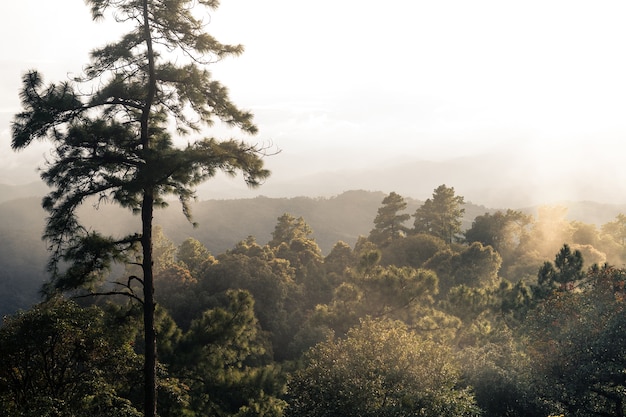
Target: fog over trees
[
  {"x": 367, "y": 303},
  {"x": 521, "y": 313}
]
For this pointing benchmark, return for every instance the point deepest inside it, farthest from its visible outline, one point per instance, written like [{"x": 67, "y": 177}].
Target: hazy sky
[{"x": 339, "y": 84}]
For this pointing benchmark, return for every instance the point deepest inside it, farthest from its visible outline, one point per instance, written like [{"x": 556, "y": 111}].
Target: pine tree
[
  {"x": 388, "y": 224},
  {"x": 441, "y": 215},
  {"x": 114, "y": 143}
]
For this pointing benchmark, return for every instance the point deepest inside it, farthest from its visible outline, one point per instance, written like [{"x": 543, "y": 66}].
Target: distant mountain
[
  {"x": 13, "y": 192},
  {"x": 23, "y": 254},
  {"x": 505, "y": 177},
  {"x": 508, "y": 176}
]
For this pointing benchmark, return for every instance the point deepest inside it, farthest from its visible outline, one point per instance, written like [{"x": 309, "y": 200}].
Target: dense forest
[
  {"x": 220, "y": 225},
  {"x": 433, "y": 308},
  {"x": 513, "y": 314}
]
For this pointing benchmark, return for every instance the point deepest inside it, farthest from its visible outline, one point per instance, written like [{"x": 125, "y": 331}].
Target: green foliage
[
  {"x": 477, "y": 266},
  {"x": 389, "y": 222},
  {"x": 376, "y": 291},
  {"x": 567, "y": 268},
  {"x": 267, "y": 278},
  {"x": 230, "y": 328},
  {"x": 616, "y": 229},
  {"x": 194, "y": 255},
  {"x": 112, "y": 143},
  {"x": 498, "y": 370},
  {"x": 221, "y": 359},
  {"x": 339, "y": 259},
  {"x": 59, "y": 359},
  {"x": 380, "y": 369},
  {"x": 413, "y": 250},
  {"x": 502, "y": 231},
  {"x": 576, "y": 342},
  {"x": 474, "y": 266},
  {"x": 441, "y": 215},
  {"x": 292, "y": 241}
]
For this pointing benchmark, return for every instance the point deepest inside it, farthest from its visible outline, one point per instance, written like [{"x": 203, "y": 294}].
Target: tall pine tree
[
  {"x": 441, "y": 215},
  {"x": 389, "y": 221},
  {"x": 114, "y": 144}
]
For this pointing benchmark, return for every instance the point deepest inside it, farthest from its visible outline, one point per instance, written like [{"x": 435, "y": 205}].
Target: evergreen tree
[
  {"x": 567, "y": 268},
  {"x": 501, "y": 230},
  {"x": 194, "y": 255},
  {"x": 441, "y": 215},
  {"x": 109, "y": 129},
  {"x": 388, "y": 224}
]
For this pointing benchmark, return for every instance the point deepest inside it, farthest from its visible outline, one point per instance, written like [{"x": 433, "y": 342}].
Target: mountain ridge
[{"x": 222, "y": 224}]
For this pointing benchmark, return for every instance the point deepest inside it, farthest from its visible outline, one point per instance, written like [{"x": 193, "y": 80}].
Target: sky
[{"x": 529, "y": 95}]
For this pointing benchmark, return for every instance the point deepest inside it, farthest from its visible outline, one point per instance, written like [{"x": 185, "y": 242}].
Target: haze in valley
[{"x": 512, "y": 103}]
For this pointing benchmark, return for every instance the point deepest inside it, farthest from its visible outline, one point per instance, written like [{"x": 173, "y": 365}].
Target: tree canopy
[{"x": 380, "y": 369}]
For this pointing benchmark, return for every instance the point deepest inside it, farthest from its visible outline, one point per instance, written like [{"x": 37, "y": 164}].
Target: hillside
[{"x": 221, "y": 224}]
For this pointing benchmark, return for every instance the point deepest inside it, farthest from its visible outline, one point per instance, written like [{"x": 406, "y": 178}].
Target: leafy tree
[
  {"x": 499, "y": 372},
  {"x": 517, "y": 300},
  {"x": 475, "y": 266},
  {"x": 340, "y": 257},
  {"x": 163, "y": 250},
  {"x": 441, "y": 215},
  {"x": 377, "y": 291},
  {"x": 469, "y": 303},
  {"x": 502, "y": 231},
  {"x": 576, "y": 340},
  {"x": 109, "y": 130},
  {"x": 380, "y": 369},
  {"x": 585, "y": 234},
  {"x": 613, "y": 240},
  {"x": 388, "y": 224},
  {"x": 413, "y": 250},
  {"x": 61, "y": 360},
  {"x": 291, "y": 240},
  {"x": 176, "y": 290},
  {"x": 194, "y": 255},
  {"x": 268, "y": 279}
]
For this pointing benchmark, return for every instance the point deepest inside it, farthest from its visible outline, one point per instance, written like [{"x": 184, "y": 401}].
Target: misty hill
[
  {"x": 14, "y": 192},
  {"x": 221, "y": 224},
  {"x": 23, "y": 254},
  {"x": 506, "y": 176}
]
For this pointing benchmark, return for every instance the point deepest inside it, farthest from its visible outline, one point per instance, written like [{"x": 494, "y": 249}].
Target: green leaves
[
  {"x": 59, "y": 359},
  {"x": 389, "y": 222},
  {"x": 380, "y": 369},
  {"x": 441, "y": 215},
  {"x": 567, "y": 268}
]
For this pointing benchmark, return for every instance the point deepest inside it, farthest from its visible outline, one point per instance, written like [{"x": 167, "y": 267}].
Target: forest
[
  {"x": 429, "y": 310},
  {"x": 514, "y": 315}
]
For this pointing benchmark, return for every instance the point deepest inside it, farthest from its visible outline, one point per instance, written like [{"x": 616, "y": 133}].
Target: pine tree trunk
[{"x": 150, "y": 359}]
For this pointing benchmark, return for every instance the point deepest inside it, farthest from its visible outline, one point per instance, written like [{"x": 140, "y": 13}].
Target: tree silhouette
[{"x": 111, "y": 143}]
